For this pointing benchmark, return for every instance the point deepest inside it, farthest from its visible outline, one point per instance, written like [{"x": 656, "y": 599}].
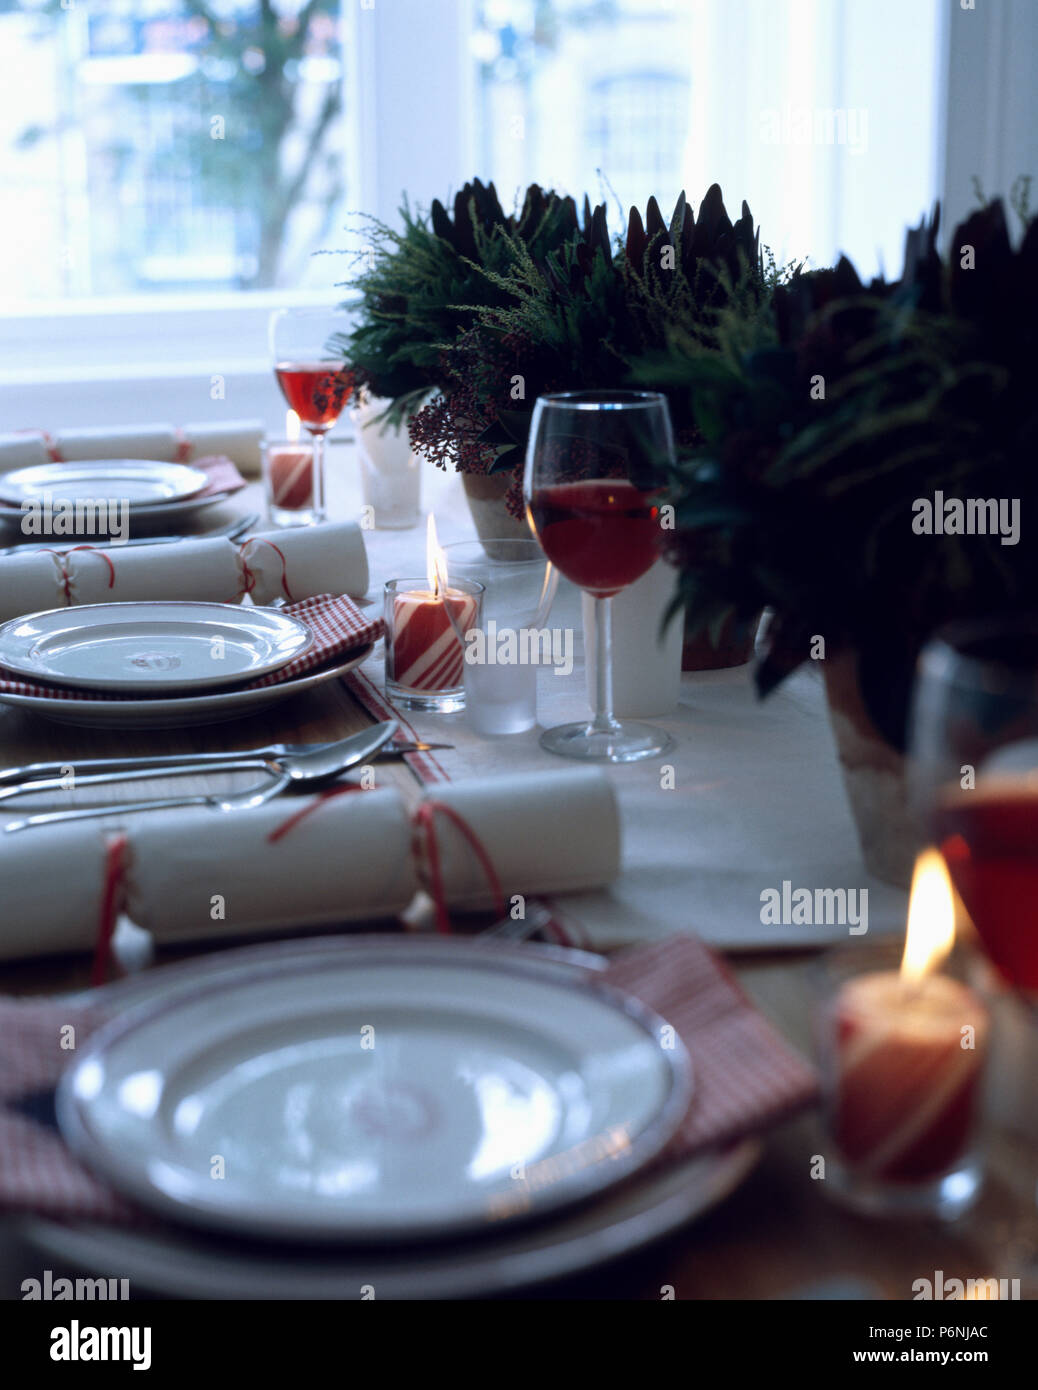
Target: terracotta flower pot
[
  {"x": 734, "y": 647},
  {"x": 873, "y": 773},
  {"x": 493, "y": 521}
]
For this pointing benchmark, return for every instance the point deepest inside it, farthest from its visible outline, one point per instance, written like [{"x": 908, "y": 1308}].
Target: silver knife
[{"x": 232, "y": 531}]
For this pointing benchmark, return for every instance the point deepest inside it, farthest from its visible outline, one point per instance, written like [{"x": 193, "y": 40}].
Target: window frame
[{"x": 70, "y": 363}]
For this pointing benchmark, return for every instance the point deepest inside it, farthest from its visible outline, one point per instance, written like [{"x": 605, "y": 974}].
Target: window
[
  {"x": 169, "y": 146},
  {"x": 169, "y": 167},
  {"x": 808, "y": 109}
]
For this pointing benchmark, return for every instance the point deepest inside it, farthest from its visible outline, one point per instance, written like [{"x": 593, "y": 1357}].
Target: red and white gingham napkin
[
  {"x": 338, "y": 625},
  {"x": 746, "y": 1076},
  {"x": 222, "y": 474}
]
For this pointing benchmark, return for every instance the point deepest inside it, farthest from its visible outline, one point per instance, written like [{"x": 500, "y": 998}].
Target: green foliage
[
  {"x": 806, "y": 503},
  {"x": 465, "y": 321},
  {"x": 424, "y": 286}
]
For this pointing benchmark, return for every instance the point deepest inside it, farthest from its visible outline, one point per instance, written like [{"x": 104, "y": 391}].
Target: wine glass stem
[
  {"x": 603, "y": 721},
  {"x": 317, "y": 502}
]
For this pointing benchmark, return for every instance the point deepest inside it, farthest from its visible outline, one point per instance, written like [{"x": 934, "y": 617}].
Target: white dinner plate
[
  {"x": 384, "y": 1095},
  {"x": 175, "y": 1263},
  {"x": 177, "y": 712},
  {"x": 138, "y": 482},
  {"x": 157, "y": 646},
  {"x": 149, "y": 517},
  {"x": 171, "y": 1263}
]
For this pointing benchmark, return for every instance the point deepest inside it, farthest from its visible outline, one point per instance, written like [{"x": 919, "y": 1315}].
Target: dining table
[{"x": 757, "y": 800}]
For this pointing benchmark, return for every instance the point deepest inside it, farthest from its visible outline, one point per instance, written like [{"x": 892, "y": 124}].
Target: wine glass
[
  {"x": 973, "y": 783},
  {"x": 973, "y": 775},
  {"x": 594, "y": 466},
  {"x": 314, "y": 379}
]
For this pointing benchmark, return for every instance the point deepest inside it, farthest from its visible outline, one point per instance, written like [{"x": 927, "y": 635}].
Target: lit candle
[
  {"x": 424, "y": 652},
  {"x": 290, "y": 468},
  {"x": 910, "y": 1050}
]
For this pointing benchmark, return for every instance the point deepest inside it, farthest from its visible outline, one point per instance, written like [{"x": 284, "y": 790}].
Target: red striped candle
[
  {"x": 905, "y": 1054},
  {"x": 425, "y": 656},
  {"x": 909, "y": 1062},
  {"x": 291, "y": 472}
]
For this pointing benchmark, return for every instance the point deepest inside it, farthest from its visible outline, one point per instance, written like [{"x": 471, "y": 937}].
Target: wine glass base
[
  {"x": 624, "y": 743},
  {"x": 946, "y": 1197}
]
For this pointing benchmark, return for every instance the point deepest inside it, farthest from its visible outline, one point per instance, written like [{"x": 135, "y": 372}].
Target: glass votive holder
[
  {"x": 288, "y": 481},
  {"x": 500, "y": 696},
  {"x": 425, "y": 652},
  {"x": 903, "y": 1070}
]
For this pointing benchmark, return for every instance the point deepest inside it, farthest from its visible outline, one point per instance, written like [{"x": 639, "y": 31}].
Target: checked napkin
[
  {"x": 222, "y": 474},
  {"x": 746, "y": 1077},
  {"x": 338, "y": 626}
]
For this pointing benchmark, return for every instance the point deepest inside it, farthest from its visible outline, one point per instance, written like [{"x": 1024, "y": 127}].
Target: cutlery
[
  {"x": 308, "y": 769},
  {"x": 37, "y": 778},
  {"x": 509, "y": 929},
  {"x": 243, "y": 801},
  {"x": 232, "y": 531}
]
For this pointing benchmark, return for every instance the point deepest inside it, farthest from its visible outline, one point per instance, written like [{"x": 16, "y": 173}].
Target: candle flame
[
  {"x": 435, "y": 559},
  {"x": 292, "y": 427},
  {"x": 931, "y": 918}
]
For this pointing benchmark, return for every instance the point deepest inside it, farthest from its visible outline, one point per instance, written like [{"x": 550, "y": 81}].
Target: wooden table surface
[{"x": 778, "y": 1235}]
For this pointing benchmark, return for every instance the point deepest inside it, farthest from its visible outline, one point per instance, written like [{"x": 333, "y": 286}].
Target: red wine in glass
[
  {"x": 308, "y": 354},
  {"x": 595, "y": 463},
  {"x": 316, "y": 392},
  {"x": 602, "y": 534},
  {"x": 989, "y": 839}
]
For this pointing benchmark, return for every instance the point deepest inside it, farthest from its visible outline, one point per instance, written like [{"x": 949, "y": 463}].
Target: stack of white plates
[
  {"x": 432, "y": 1119},
  {"x": 152, "y": 492},
  {"x": 173, "y": 662}
]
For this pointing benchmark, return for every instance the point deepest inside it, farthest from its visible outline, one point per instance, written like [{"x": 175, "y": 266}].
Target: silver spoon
[{"x": 320, "y": 765}]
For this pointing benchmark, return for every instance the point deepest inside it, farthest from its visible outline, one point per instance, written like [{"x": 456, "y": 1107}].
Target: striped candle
[
  {"x": 424, "y": 652},
  {"x": 907, "y": 1089},
  {"x": 909, "y": 1049},
  {"x": 291, "y": 475}
]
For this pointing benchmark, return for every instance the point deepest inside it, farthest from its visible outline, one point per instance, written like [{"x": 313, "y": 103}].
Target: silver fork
[
  {"x": 243, "y": 801},
  {"x": 311, "y": 769},
  {"x": 37, "y": 778}
]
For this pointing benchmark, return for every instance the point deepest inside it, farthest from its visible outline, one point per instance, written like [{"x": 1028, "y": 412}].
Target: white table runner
[{"x": 758, "y": 798}]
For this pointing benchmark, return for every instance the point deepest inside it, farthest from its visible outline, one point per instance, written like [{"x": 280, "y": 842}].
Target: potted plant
[
  {"x": 831, "y": 432},
  {"x": 421, "y": 289},
  {"x": 466, "y": 320}
]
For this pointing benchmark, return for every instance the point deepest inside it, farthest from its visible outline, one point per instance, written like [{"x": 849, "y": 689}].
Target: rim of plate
[
  {"x": 13, "y": 513},
  {"x": 276, "y": 614},
  {"x": 176, "y": 705},
  {"x": 179, "y": 1262},
  {"x": 194, "y": 1210},
  {"x": 188, "y": 474}
]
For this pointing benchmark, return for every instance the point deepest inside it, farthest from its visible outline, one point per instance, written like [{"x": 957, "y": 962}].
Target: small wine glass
[
  {"x": 973, "y": 783},
  {"x": 595, "y": 463},
  {"x": 314, "y": 379}
]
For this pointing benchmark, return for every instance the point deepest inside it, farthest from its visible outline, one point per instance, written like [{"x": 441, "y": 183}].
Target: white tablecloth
[{"x": 758, "y": 796}]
